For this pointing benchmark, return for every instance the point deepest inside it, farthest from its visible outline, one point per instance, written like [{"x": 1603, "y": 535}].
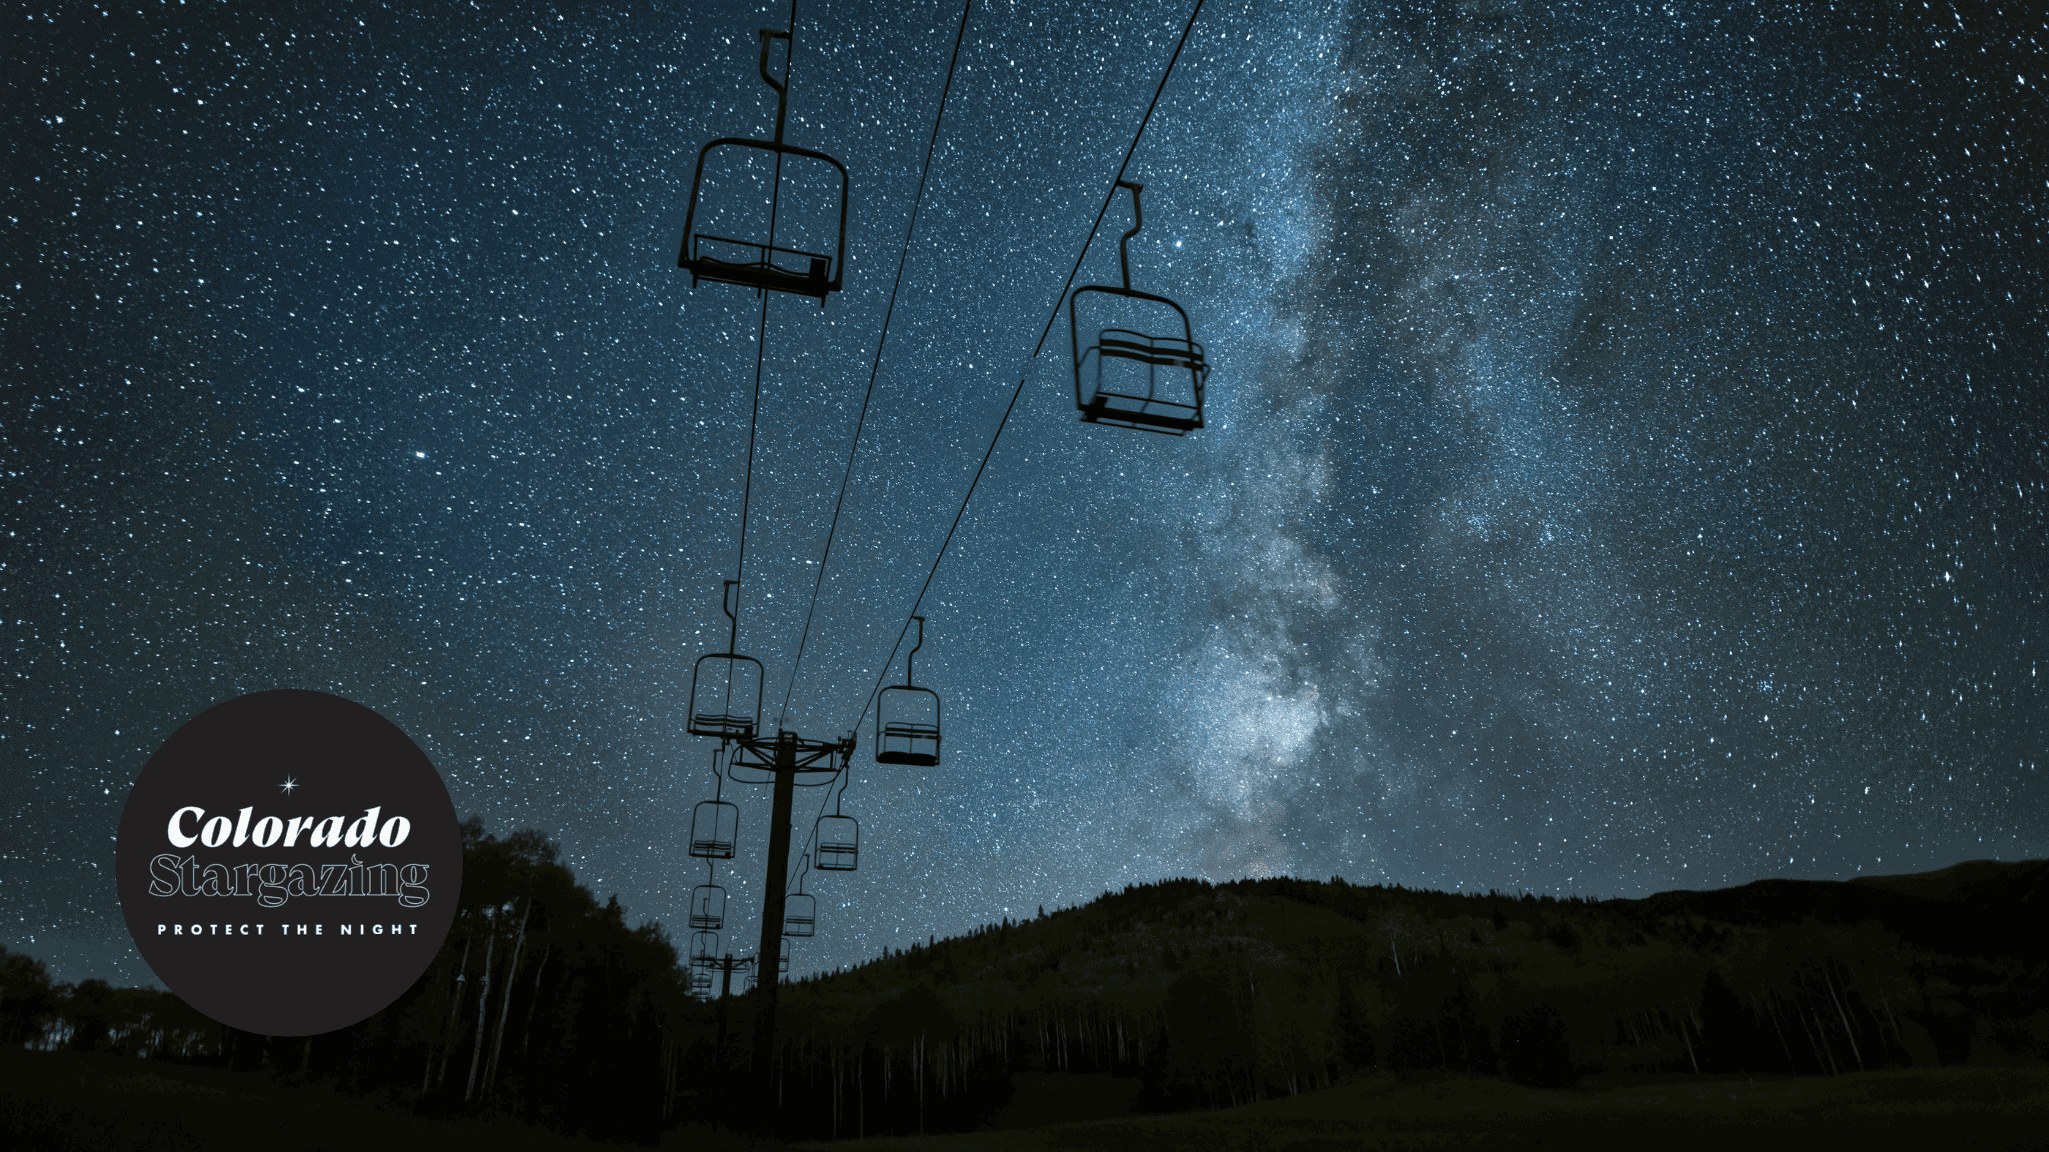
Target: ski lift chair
[
  {"x": 714, "y": 830},
  {"x": 708, "y": 907},
  {"x": 1129, "y": 379},
  {"x": 725, "y": 696},
  {"x": 907, "y": 718},
  {"x": 907, "y": 726},
  {"x": 800, "y": 915},
  {"x": 704, "y": 949},
  {"x": 757, "y": 261},
  {"x": 839, "y": 843},
  {"x": 800, "y": 910},
  {"x": 725, "y": 687},
  {"x": 714, "y": 835}
]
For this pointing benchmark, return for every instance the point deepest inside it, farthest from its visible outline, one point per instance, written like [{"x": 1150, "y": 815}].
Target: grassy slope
[
  {"x": 86, "y": 1103},
  {"x": 1986, "y": 1110}
]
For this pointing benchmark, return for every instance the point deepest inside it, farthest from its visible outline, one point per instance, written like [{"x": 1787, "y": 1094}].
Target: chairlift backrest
[{"x": 753, "y": 259}]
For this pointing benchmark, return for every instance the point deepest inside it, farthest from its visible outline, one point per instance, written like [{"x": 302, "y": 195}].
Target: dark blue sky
[{"x": 1625, "y": 465}]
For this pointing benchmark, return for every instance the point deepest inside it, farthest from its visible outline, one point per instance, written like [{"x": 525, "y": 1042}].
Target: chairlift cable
[
  {"x": 875, "y": 369},
  {"x": 1051, "y": 319},
  {"x": 761, "y": 335}
]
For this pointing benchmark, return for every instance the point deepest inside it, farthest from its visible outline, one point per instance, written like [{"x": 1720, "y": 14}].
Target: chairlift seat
[
  {"x": 913, "y": 744},
  {"x": 762, "y": 271},
  {"x": 1142, "y": 413},
  {"x": 733, "y": 725}
]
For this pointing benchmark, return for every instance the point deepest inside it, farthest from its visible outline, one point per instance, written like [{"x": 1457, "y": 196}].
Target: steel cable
[
  {"x": 1036, "y": 349},
  {"x": 875, "y": 369}
]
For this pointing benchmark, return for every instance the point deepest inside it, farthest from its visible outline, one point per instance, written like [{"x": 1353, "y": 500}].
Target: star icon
[{"x": 290, "y": 783}]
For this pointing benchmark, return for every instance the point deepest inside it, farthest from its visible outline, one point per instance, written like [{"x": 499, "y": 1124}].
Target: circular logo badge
[{"x": 288, "y": 862}]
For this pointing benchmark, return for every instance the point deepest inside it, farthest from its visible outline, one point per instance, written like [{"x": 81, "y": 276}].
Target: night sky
[{"x": 1627, "y": 464}]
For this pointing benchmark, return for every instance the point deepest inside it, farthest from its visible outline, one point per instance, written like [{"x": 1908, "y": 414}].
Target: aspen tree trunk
[
  {"x": 1820, "y": 1061},
  {"x": 668, "y": 1075},
  {"x": 483, "y": 1019},
  {"x": 1845, "y": 1017},
  {"x": 505, "y": 1000},
  {"x": 535, "y": 1002},
  {"x": 1771, "y": 1006},
  {"x": 1823, "y": 1053},
  {"x": 1689, "y": 1042},
  {"x": 1887, "y": 1001},
  {"x": 462, "y": 975}
]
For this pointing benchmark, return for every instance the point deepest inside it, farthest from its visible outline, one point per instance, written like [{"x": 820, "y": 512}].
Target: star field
[{"x": 1625, "y": 467}]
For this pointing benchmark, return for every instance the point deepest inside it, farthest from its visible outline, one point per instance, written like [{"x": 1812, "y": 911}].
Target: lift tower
[{"x": 786, "y": 757}]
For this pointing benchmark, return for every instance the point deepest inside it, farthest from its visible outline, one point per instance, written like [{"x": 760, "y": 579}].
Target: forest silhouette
[{"x": 545, "y": 1008}]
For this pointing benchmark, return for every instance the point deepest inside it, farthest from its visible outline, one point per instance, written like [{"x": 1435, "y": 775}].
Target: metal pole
[
  {"x": 725, "y": 993},
  {"x": 768, "y": 961},
  {"x": 721, "y": 1074}
]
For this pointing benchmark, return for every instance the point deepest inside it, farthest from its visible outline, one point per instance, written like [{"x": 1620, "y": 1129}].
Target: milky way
[{"x": 1625, "y": 464}]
